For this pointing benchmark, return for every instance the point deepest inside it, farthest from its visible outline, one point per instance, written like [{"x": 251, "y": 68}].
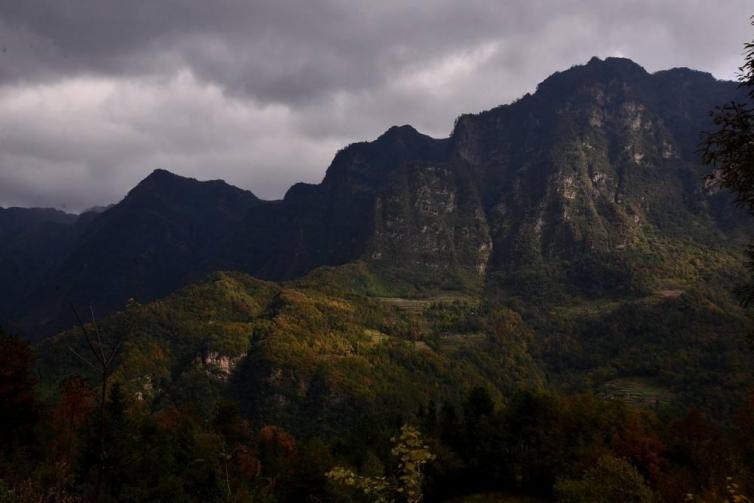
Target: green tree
[
  {"x": 610, "y": 479},
  {"x": 729, "y": 149},
  {"x": 411, "y": 453},
  {"x": 478, "y": 404}
]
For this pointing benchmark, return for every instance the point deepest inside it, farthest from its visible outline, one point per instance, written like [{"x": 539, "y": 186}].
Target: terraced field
[{"x": 418, "y": 306}]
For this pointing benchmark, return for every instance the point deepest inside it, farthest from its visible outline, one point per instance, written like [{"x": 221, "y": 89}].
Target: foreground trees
[
  {"x": 406, "y": 485},
  {"x": 610, "y": 479},
  {"x": 729, "y": 149},
  {"x": 572, "y": 448},
  {"x": 18, "y": 408}
]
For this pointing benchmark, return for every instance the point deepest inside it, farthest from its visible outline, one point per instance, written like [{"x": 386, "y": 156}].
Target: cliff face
[
  {"x": 600, "y": 162},
  {"x": 577, "y": 180}
]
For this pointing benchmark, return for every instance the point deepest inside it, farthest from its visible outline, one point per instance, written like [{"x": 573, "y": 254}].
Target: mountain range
[{"x": 590, "y": 187}]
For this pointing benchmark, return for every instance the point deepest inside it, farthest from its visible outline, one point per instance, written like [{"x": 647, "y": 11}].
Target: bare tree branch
[{"x": 82, "y": 358}]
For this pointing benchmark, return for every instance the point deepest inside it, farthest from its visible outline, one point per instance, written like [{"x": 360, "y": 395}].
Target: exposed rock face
[
  {"x": 593, "y": 156},
  {"x": 218, "y": 365},
  {"x": 599, "y": 159},
  {"x": 428, "y": 217}
]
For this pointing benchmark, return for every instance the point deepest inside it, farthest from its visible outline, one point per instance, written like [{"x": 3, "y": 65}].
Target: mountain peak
[
  {"x": 683, "y": 73},
  {"x": 392, "y": 148},
  {"x": 616, "y": 62},
  {"x": 161, "y": 182},
  {"x": 399, "y": 131},
  {"x": 158, "y": 179},
  {"x": 596, "y": 70},
  {"x": 160, "y": 173},
  {"x": 163, "y": 176}
]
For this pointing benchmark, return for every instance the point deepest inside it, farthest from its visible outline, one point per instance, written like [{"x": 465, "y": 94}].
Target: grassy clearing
[{"x": 638, "y": 391}]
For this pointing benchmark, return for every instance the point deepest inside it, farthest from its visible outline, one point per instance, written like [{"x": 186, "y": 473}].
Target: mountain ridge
[{"x": 590, "y": 185}]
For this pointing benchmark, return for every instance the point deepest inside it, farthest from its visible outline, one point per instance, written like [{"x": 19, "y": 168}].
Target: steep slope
[
  {"x": 593, "y": 183},
  {"x": 596, "y": 172},
  {"x": 32, "y": 241},
  {"x": 395, "y": 200}
]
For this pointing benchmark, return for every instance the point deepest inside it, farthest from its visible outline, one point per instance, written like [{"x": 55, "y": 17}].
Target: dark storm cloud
[{"x": 96, "y": 93}]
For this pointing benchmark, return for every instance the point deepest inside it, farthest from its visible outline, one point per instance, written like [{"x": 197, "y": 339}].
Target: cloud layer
[{"x": 95, "y": 94}]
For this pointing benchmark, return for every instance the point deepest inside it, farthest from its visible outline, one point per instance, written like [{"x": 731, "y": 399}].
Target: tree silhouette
[
  {"x": 101, "y": 360},
  {"x": 730, "y": 149}
]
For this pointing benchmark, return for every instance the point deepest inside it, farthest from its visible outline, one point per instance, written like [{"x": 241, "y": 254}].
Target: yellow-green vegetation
[
  {"x": 683, "y": 261},
  {"x": 610, "y": 479},
  {"x": 679, "y": 345},
  {"x": 411, "y": 455},
  {"x": 296, "y": 356},
  {"x": 308, "y": 354},
  {"x": 354, "y": 278}
]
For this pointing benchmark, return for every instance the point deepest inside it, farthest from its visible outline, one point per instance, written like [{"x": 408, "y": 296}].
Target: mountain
[
  {"x": 144, "y": 247},
  {"x": 585, "y": 182},
  {"x": 590, "y": 187}
]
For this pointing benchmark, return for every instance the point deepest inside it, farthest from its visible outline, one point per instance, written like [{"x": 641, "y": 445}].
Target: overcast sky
[{"x": 95, "y": 94}]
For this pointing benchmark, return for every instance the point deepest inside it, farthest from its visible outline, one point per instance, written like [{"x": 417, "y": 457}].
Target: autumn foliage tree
[
  {"x": 70, "y": 417},
  {"x": 18, "y": 410}
]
